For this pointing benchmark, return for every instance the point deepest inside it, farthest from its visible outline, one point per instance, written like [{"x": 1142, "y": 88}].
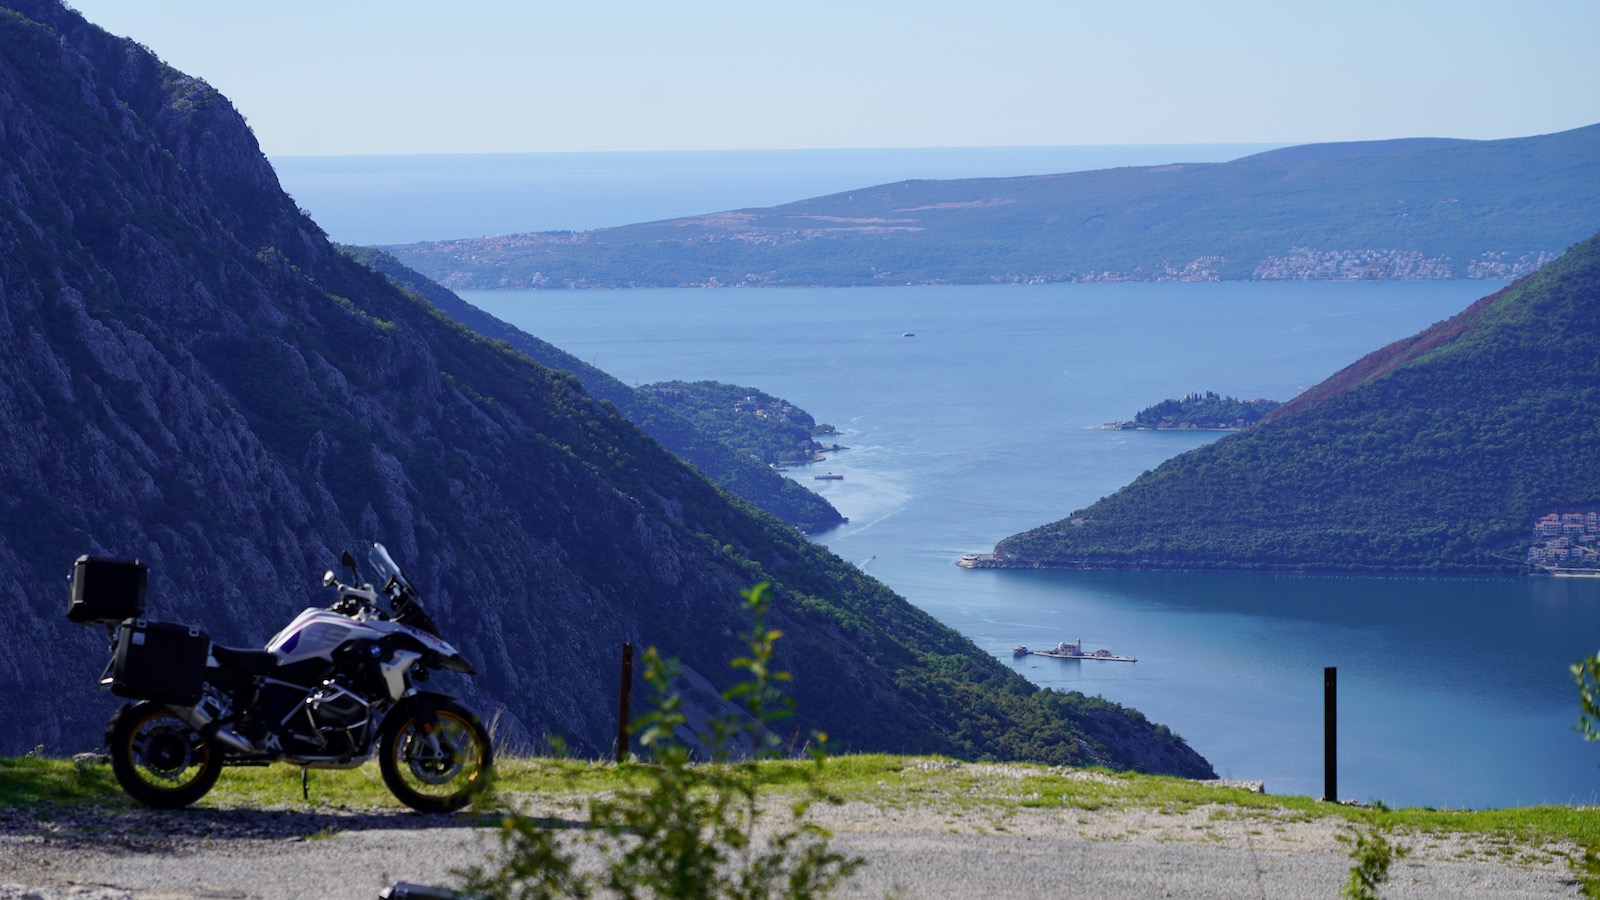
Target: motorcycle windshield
[
  {"x": 385, "y": 564},
  {"x": 407, "y": 605}
]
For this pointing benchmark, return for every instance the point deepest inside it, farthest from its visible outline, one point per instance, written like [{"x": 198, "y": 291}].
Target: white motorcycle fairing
[{"x": 317, "y": 633}]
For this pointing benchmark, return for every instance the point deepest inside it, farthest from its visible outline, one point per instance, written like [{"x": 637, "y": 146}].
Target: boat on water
[
  {"x": 1074, "y": 650},
  {"x": 1019, "y": 650},
  {"x": 828, "y": 477}
]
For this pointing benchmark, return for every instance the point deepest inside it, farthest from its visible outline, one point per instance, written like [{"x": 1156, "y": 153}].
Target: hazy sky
[{"x": 407, "y": 76}]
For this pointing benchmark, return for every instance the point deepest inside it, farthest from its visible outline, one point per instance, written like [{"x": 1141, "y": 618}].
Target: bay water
[
  {"x": 1453, "y": 691},
  {"x": 969, "y": 414}
]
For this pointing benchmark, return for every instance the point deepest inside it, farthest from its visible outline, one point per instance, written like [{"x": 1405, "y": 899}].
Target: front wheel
[
  {"x": 435, "y": 769},
  {"x": 158, "y": 759}
]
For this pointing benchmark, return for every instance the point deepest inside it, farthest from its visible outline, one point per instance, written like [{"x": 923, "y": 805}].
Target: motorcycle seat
[{"x": 248, "y": 662}]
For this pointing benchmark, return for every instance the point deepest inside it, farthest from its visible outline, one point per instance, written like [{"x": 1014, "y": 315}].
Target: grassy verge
[{"x": 886, "y": 782}]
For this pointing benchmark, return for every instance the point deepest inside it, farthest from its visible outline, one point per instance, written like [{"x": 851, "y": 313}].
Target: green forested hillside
[
  {"x": 1402, "y": 209},
  {"x": 1434, "y": 454},
  {"x": 736, "y": 472},
  {"x": 197, "y": 378},
  {"x": 751, "y": 422}
]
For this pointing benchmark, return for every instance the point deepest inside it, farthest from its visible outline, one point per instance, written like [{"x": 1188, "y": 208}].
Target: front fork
[{"x": 428, "y": 721}]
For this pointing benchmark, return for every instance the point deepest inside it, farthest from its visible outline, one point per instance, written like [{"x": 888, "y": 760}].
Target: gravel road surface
[{"x": 1205, "y": 852}]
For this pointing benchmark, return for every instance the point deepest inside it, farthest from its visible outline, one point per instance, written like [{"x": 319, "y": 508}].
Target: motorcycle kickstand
[{"x": 305, "y": 783}]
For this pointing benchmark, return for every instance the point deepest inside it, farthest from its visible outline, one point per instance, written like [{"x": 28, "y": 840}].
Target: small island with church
[{"x": 1070, "y": 650}]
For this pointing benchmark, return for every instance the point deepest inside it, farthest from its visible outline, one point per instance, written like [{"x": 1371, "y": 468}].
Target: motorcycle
[{"x": 330, "y": 687}]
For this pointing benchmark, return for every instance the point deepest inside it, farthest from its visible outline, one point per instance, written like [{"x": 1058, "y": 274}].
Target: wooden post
[
  {"x": 626, "y": 705},
  {"x": 1330, "y": 734}
]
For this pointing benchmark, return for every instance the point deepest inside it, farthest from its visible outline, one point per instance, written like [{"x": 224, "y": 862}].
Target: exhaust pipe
[
  {"x": 235, "y": 741},
  {"x": 201, "y": 718}
]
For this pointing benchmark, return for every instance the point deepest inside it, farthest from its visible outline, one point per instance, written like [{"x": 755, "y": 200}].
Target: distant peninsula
[
  {"x": 1209, "y": 411},
  {"x": 1438, "y": 454},
  {"x": 748, "y": 421},
  {"x": 1408, "y": 209}
]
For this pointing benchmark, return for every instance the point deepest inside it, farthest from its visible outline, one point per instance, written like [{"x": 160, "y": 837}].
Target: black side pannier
[
  {"x": 160, "y": 661},
  {"x": 105, "y": 590}
]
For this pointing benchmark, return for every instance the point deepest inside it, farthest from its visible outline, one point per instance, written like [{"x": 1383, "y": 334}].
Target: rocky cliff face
[{"x": 197, "y": 378}]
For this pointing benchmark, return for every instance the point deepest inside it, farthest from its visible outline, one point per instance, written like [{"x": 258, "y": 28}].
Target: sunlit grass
[
  {"x": 31, "y": 781},
  {"x": 961, "y": 790}
]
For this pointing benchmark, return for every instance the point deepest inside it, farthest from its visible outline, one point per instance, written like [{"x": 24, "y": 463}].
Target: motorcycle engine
[
  {"x": 328, "y": 720},
  {"x": 333, "y": 706}
]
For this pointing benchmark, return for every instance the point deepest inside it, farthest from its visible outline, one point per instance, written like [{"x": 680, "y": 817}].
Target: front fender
[
  {"x": 422, "y": 704},
  {"x": 456, "y": 663}
]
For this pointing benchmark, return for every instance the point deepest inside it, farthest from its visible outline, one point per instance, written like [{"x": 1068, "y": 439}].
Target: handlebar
[
  {"x": 353, "y": 601},
  {"x": 405, "y": 605}
]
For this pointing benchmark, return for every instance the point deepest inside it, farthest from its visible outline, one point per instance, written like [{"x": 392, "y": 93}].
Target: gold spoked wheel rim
[{"x": 441, "y": 769}]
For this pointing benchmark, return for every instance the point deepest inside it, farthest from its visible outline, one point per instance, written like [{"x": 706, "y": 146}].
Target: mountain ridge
[
  {"x": 200, "y": 379},
  {"x": 1411, "y": 208}
]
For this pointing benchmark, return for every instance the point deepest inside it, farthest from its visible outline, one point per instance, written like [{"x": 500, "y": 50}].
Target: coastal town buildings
[{"x": 1566, "y": 540}]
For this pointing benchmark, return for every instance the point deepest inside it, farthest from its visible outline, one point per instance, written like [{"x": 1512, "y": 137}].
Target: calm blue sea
[
  {"x": 1453, "y": 692},
  {"x": 401, "y": 199}
]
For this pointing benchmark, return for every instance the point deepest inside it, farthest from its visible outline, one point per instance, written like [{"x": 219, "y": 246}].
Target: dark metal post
[
  {"x": 1330, "y": 734},
  {"x": 627, "y": 701}
]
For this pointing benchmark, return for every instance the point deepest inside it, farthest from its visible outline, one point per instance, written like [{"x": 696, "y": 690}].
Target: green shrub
[
  {"x": 1373, "y": 854},
  {"x": 683, "y": 827}
]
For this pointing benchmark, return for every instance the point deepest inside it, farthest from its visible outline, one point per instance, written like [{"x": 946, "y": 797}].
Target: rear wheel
[
  {"x": 439, "y": 768},
  {"x": 158, "y": 759}
]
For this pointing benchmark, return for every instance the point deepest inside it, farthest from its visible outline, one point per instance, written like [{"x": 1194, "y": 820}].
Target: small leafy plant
[
  {"x": 1373, "y": 853},
  {"x": 1586, "y": 672},
  {"x": 682, "y": 827}
]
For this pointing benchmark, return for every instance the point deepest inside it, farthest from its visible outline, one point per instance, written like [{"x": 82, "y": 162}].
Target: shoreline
[
  {"x": 990, "y": 561},
  {"x": 1118, "y": 426}
]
